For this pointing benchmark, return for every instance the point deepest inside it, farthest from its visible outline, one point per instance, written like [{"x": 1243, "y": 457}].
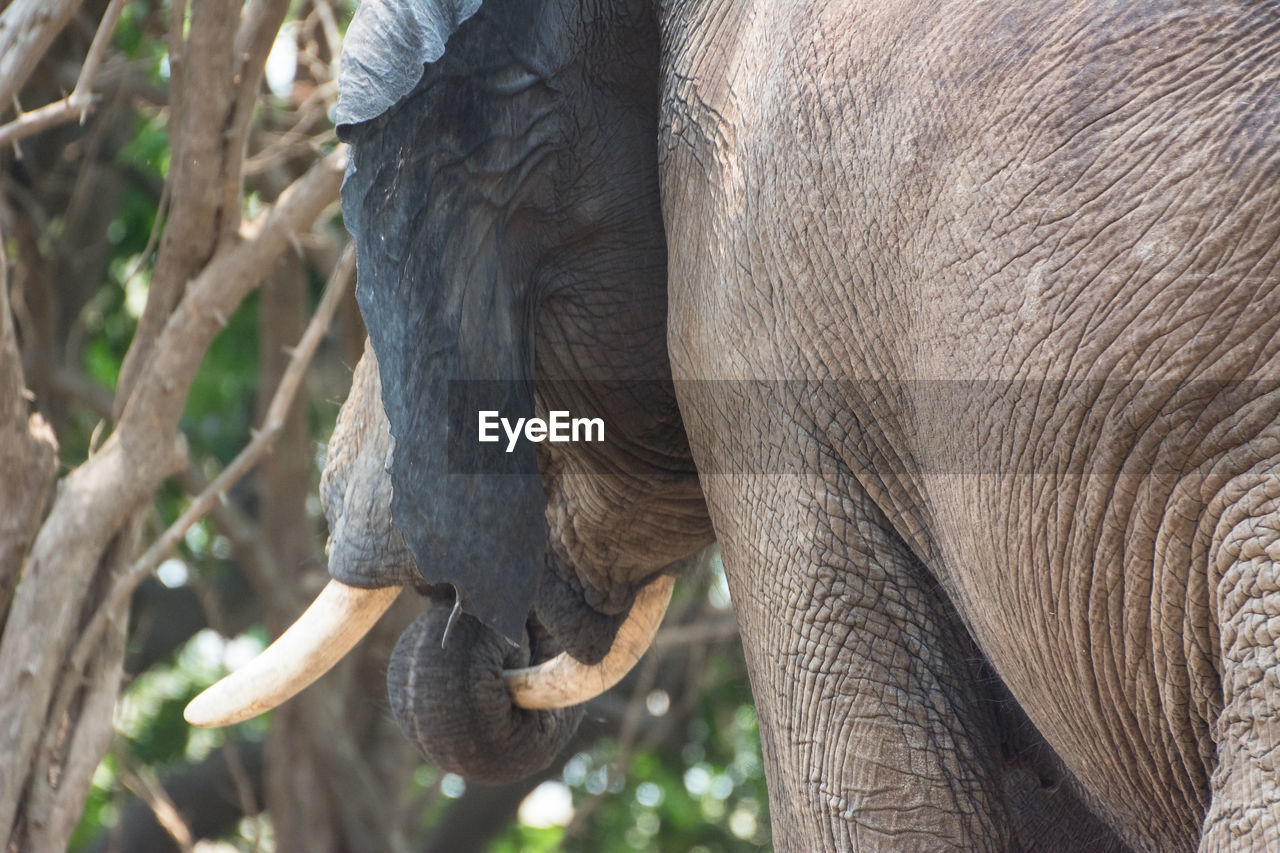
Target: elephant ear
[
  {"x": 430, "y": 200},
  {"x": 385, "y": 49}
]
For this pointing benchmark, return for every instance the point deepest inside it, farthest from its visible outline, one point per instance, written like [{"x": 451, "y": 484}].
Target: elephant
[{"x": 956, "y": 325}]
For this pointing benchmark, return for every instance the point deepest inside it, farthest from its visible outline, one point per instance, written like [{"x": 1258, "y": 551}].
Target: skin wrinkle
[
  {"x": 1238, "y": 596},
  {"x": 1153, "y": 656},
  {"x": 1116, "y": 47},
  {"x": 890, "y": 696},
  {"x": 1125, "y": 239},
  {"x": 1133, "y": 659},
  {"x": 410, "y": 688},
  {"x": 811, "y": 642}
]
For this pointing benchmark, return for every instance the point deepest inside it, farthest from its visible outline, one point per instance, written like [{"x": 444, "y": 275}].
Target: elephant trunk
[{"x": 454, "y": 702}]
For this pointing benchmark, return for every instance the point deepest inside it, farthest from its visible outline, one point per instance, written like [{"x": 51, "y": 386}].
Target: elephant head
[{"x": 503, "y": 195}]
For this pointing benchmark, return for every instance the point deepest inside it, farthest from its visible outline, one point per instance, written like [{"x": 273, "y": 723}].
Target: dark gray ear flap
[
  {"x": 446, "y": 300},
  {"x": 386, "y": 46}
]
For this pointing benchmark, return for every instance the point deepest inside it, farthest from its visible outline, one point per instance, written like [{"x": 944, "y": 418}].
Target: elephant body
[
  {"x": 957, "y": 325},
  {"x": 994, "y": 287}
]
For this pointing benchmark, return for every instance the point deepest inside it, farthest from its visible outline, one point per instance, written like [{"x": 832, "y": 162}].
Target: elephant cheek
[{"x": 453, "y": 702}]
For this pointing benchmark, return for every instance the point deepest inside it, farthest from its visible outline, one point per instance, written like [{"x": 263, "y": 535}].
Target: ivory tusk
[
  {"x": 564, "y": 681},
  {"x": 339, "y": 617}
]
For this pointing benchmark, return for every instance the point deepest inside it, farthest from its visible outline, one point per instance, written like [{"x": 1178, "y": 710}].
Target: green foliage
[
  {"x": 101, "y": 809},
  {"x": 529, "y": 839},
  {"x": 165, "y": 737},
  {"x": 220, "y": 407},
  {"x": 134, "y": 39},
  {"x": 703, "y": 791},
  {"x": 148, "y": 152},
  {"x": 110, "y": 318}
]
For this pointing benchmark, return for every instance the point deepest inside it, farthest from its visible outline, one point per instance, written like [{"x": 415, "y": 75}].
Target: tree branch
[
  {"x": 147, "y": 788},
  {"x": 97, "y": 498},
  {"x": 332, "y": 36},
  {"x": 709, "y": 631},
  {"x": 256, "y": 560},
  {"x": 259, "y": 446},
  {"x": 205, "y": 795},
  {"x": 27, "y": 28},
  {"x": 218, "y": 289},
  {"x": 259, "y": 26},
  {"x": 202, "y": 86},
  {"x": 78, "y": 730},
  {"x": 28, "y": 455},
  {"x": 81, "y": 100}
]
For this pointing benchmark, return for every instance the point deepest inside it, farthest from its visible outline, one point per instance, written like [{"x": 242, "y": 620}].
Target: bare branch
[
  {"x": 258, "y": 447},
  {"x": 12, "y": 383},
  {"x": 202, "y": 87},
  {"x": 147, "y": 788},
  {"x": 313, "y": 111},
  {"x": 28, "y": 455},
  {"x": 256, "y": 560},
  {"x": 111, "y": 612},
  {"x": 50, "y": 115},
  {"x": 27, "y": 28},
  {"x": 83, "y": 390},
  {"x": 710, "y": 631},
  {"x": 247, "y": 795},
  {"x": 219, "y": 288},
  {"x": 259, "y": 25},
  {"x": 81, "y": 100},
  {"x": 332, "y": 37},
  {"x": 78, "y": 729},
  {"x": 162, "y": 210},
  {"x": 101, "y": 38},
  {"x": 203, "y": 794},
  {"x": 284, "y": 149},
  {"x": 177, "y": 61},
  {"x": 241, "y": 465}
]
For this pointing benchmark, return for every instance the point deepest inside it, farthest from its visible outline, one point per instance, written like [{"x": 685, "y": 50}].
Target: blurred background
[{"x": 669, "y": 760}]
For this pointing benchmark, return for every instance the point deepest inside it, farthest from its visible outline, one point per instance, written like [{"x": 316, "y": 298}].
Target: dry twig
[
  {"x": 332, "y": 37},
  {"x": 708, "y": 631},
  {"x": 147, "y": 788},
  {"x": 253, "y": 556},
  {"x": 27, "y": 28},
  {"x": 81, "y": 100}
]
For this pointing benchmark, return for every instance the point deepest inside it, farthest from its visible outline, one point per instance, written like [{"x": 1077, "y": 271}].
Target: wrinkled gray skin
[{"x": 974, "y": 320}]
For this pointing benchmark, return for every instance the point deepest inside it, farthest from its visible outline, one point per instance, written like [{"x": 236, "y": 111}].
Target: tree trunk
[{"x": 28, "y": 458}]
